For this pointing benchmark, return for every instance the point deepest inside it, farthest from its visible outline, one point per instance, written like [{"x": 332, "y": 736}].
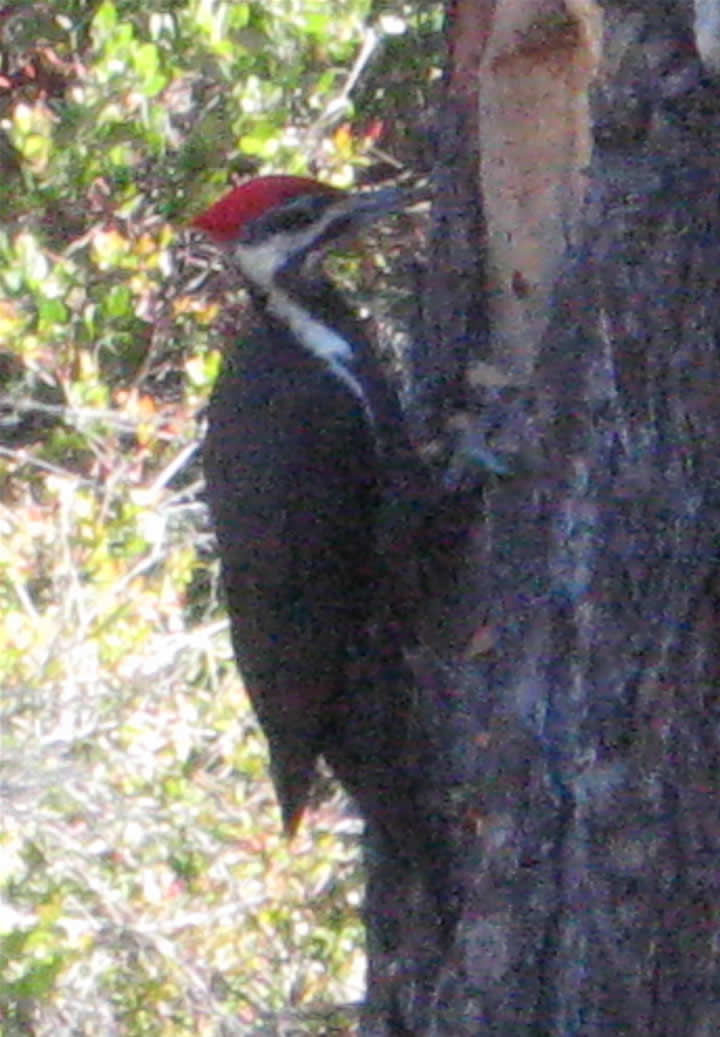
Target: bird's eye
[{"x": 288, "y": 218}]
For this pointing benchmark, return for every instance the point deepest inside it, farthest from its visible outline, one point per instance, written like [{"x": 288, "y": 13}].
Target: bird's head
[{"x": 273, "y": 223}]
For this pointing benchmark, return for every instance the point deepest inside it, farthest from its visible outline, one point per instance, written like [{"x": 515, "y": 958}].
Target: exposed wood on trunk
[{"x": 535, "y": 143}]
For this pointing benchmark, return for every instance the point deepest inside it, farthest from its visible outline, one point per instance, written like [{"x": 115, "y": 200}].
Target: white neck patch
[
  {"x": 260, "y": 263},
  {"x": 322, "y": 342}
]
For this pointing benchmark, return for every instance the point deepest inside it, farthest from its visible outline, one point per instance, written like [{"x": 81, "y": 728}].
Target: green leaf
[
  {"x": 13, "y": 944},
  {"x": 118, "y": 301},
  {"x": 317, "y": 24},
  {"x": 33, "y": 260},
  {"x": 146, "y": 59},
  {"x": 52, "y": 311},
  {"x": 105, "y": 21},
  {"x": 40, "y": 978}
]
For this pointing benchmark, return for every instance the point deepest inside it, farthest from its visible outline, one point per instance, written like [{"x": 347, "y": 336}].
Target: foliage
[{"x": 145, "y": 887}]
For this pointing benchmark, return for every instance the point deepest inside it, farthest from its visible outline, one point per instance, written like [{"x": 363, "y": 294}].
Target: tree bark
[{"x": 568, "y": 680}]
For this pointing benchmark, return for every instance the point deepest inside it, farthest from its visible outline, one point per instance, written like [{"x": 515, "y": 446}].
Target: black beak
[
  {"x": 371, "y": 205},
  {"x": 356, "y": 211}
]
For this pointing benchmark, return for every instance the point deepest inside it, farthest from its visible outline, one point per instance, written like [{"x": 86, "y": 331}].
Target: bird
[{"x": 303, "y": 427}]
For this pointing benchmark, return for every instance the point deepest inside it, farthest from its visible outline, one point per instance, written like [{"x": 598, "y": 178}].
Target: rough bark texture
[{"x": 570, "y": 680}]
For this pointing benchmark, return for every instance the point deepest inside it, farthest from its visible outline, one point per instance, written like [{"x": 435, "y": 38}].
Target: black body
[
  {"x": 293, "y": 479},
  {"x": 325, "y": 519}
]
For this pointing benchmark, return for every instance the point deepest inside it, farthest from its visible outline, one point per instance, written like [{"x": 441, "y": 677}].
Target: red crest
[{"x": 224, "y": 220}]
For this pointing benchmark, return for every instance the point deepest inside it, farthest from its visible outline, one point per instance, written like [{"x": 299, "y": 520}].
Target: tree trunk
[{"x": 569, "y": 680}]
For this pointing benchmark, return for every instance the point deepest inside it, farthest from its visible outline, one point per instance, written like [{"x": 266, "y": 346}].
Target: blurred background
[{"x": 145, "y": 888}]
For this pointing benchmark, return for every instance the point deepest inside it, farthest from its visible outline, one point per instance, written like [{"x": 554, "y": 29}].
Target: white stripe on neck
[{"x": 322, "y": 342}]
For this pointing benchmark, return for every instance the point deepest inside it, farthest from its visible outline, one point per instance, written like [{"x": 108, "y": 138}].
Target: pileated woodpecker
[{"x": 302, "y": 426}]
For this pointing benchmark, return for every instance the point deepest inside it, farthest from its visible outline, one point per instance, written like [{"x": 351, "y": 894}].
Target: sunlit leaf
[
  {"x": 104, "y": 20},
  {"x": 118, "y": 301},
  {"x": 33, "y": 261},
  {"x": 110, "y": 249},
  {"x": 52, "y": 311}
]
